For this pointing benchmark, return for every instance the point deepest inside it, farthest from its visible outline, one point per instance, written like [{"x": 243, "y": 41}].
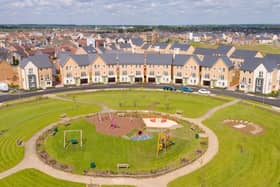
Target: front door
[
  {"x": 32, "y": 81},
  {"x": 259, "y": 86}
]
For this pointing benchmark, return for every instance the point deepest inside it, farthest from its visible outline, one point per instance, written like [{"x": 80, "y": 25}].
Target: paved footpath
[{"x": 31, "y": 159}]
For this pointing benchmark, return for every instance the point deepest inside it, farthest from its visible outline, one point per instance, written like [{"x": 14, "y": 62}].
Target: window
[
  {"x": 97, "y": 73},
  {"x": 152, "y": 73},
  {"x": 30, "y": 71},
  {"x": 124, "y": 73},
  {"x": 222, "y": 77},
  {"x": 179, "y": 74},
  {"x": 165, "y": 73},
  {"x": 206, "y": 76},
  {"x": 193, "y": 75},
  {"x": 47, "y": 77},
  {"x": 260, "y": 74},
  {"x": 68, "y": 75},
  {"x": 111, "y": 73},
  {"x": 83, "y": 74},
  {"x": 138, "y": 72},
  {"x": 224, "y": 69},
  {"x": 249, "y": 81}
]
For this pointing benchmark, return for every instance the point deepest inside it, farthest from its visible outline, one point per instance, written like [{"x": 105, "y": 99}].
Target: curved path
[{"x": 31, "y": 159}]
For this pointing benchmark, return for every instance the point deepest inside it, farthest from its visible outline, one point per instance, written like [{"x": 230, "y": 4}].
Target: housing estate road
[
  {"x": 261, "y": 99},
  {"x": 31, "y": 159}
]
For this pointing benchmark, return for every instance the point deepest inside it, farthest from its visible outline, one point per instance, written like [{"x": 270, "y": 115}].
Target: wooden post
[
  {"x": 64, "y": 139},
  {"x": 81, "y": 137}
]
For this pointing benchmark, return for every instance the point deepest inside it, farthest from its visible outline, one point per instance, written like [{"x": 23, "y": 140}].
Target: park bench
[{"x": 122, "y": 165}]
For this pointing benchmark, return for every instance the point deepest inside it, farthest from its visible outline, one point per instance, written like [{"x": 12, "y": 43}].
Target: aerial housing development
[{"x": 139, "y": 106}]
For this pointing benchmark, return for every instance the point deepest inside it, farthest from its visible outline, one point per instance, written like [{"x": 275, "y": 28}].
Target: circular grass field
[
  {"x": 107, "y": 151},
  {"x": 242, "y": 160}
]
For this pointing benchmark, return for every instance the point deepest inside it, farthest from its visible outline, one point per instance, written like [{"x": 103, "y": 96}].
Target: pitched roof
[
  {"x": 180, "y": 60},
  {"x": 244, "y": 54},
  {"x": 159, "y": 59},
  {"x": 81, "y": 60},
  {"x": 161, "y": 45},
  {"x": 183, "y": 47},
  {"x": 145, "y": 46},
  {"x": 39, "y": 60},
  {"x": 250, "y": 64},
  {"x": 209, "y": 61},
  {"x": 90, "y": 49},
  {"x": 223, "y": 49},
  {"x": 109, "y": 58},
  {"x": 126, "y": 58},
  {"x": 204, "y": 51},
  {"x": 125, "y": 45},
  {"x": 137, "y": 41}
]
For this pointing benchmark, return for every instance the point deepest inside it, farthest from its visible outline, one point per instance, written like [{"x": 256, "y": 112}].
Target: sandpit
[
  {"x": 123, "y": 123},
  {"x": 245, "y": 126}
]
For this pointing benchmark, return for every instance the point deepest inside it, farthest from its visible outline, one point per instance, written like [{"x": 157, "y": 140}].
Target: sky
[{"x": 139, "y": 12}]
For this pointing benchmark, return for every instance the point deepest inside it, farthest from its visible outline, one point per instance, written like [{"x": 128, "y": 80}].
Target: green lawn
[
  {"x": 107, "y": 151},
  {"x": 21, "y": 121},
  {"x": 34, "y": 178},
  {"x": 259, "y": 163},
  {"x": 263, "y": 48},
  {"x": 192, "y": 105}
]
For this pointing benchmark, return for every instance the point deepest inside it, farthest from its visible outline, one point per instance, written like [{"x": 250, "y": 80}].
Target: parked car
[
  {"x": 171, "y": 88},
  {"x": 204, "y": 91},
  {"x": 186, "y": 89},
  {"x": 4, "y": 87}
]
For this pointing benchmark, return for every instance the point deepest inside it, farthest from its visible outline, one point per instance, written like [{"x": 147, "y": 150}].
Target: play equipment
[
  {"x": 113, "y": 124},
  {"x": 92, "y": 165},
  {"x": 54, "y": 131},
  {"x": 73, "y": 140},
  {"x": 99, "y": 116},
  {"x": 141, "y": 137},
  {"x": 164, "y": 141}
]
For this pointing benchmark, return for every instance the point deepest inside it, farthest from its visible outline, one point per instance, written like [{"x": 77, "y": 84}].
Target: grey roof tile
[
  {"x": 39, "y": 60},
  {"x": 244, "y": 54},
  {"x": 161, "y": 45},
  {"x": 127, "y": 58},
  {"x": 209, "y": 61},
  {"x": 204, "y": 51},
  {"x": 180, "y": 60},
  {"x": 159, "y": 59},
  {"x": 182, "y": 47}
]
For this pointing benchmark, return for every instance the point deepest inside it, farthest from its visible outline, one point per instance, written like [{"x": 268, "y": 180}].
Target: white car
[
  {"x": 204, "y": 91},
  {"x": 4, "y": 87}
]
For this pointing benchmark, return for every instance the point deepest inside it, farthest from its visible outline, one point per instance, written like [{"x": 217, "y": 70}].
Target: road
[{"x": 265, "y": 100}]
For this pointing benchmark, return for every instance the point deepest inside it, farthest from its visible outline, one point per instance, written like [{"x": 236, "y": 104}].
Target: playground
[{"x": 106, "y": 143}]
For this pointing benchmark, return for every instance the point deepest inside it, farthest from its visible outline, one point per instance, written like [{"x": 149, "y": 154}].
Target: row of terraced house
[{"x": 224, "y": 67}]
